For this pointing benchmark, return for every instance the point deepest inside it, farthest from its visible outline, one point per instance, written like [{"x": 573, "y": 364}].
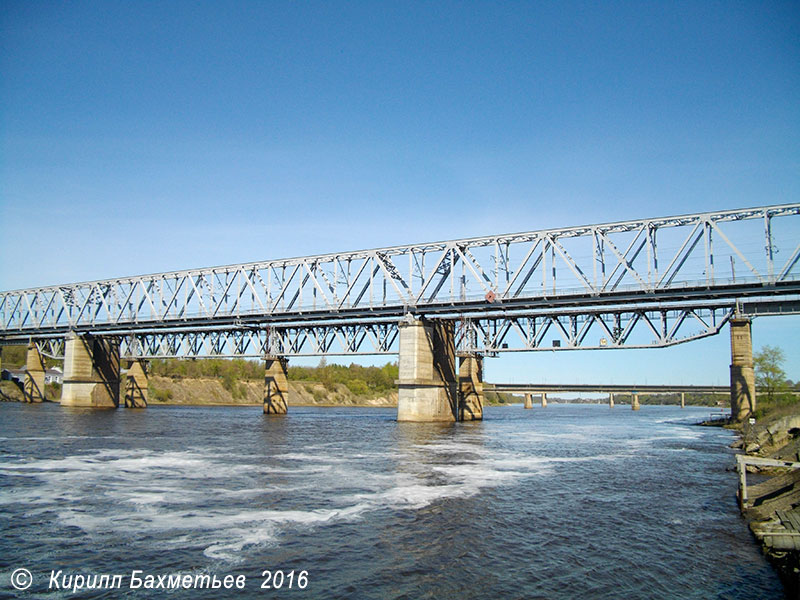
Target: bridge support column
[
  {"x": 427, "y": 384},
  {"x": 544, "y": 399},
  {"x": 743, "y": 383},
  {"x": 528, "y": 400},
  {"x": 136, "y": 385},
  {"x": 470, "y": 388},
  {"x": 276, "y": 386},
  {"x": 611, "y": 400},
  {"x": 683, "y": 399},
  {"x": 635, "y": 402},
  {"x": 33, "y": 386},
  {"x": 91, "y": 372}
]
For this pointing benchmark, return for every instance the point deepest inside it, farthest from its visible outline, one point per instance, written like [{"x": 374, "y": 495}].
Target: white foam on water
[{"x": 179, "y": 498}]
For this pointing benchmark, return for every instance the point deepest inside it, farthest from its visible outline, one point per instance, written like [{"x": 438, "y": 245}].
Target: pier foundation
[
  {"x": 427, "y": 384},
  {"x": 743, "y": 382},
  {"x": 91, "y": 372},
  {"x": 276, "y": 386},
  {"x": 528, "y": 400},
  {"x": 33, "y": 386},
  {"x": 470, "y": 388},
  {"x": 136, "y": 385},
  {"x": 635, "y": 402}
]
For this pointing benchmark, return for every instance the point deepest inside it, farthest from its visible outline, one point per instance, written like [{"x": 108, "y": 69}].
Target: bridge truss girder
[
  {"x": 716, "y": 255},
  {"x": 580, "y": 330}
]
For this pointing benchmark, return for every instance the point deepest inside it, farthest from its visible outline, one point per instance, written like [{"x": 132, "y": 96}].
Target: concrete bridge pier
[
  {"x": 91, "y": 372},
  {"x": 611, "y": 400},
  {"x": 635, "y": 402},
  {"x": 528, "y": 400},
  {"x": 743, "y": 382},
  {"x": 470, "y": 388},
  {"x": 136, "y": 385},
  {"x": 33, "y": 386},
  {"x": 683, "y": 399},
  {"x": 427, "y": 385},
  {"x": 544, "y": 399},
  {"x": 276, "y": 386}
]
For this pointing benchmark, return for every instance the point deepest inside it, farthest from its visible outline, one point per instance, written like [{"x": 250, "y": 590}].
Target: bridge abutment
[
  {"x": 470, "y": 384},
  {"x": 33, "y": 386},
  {"x": 528, "y": 400},
  {"x": 427, "y": 384},
  {"x": 136, "y": 385},
  {"x": 91, "y": 372},
  {"x": 743, "y": 382},
  {"x": 276, "y": 386}
]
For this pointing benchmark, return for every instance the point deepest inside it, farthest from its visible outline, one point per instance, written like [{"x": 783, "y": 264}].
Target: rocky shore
[{"x": 769, "y": 492}]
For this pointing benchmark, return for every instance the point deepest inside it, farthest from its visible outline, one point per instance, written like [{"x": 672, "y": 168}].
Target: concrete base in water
[
  {"x": 743, "y": 381},
  {"x": 33, "y": 386},
  {"x": 427, "y": 384},
  {"x": 470, "y": 388},
  {"x": 136, "y": 385},
  {"x": 611, "y": 400},
  {"x": 528, "y": 400},
  {"x": 276, "y": 386},
  {"x": 91, "y": 372},
  {"x": 635, "y": 403},
  {"x": 544, "y": 400}
]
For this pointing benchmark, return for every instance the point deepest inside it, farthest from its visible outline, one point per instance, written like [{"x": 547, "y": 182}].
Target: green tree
[{"x": 770, "y": 376}]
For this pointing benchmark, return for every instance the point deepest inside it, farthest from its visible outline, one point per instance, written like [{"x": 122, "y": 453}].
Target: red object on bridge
[{"x": 491, "y": 296}]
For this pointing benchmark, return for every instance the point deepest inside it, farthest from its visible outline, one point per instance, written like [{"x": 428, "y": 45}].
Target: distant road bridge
[
  {"x": 542, "y": 389},
  {"x": 633, "y": 284}
]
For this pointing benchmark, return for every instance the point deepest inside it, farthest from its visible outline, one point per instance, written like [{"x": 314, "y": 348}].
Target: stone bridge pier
[
  {"x": 136, "y": 385},
  {"x": 276, "y": 386},
  {"x": 429, "y": 389},
  {"x": 33, "y": 385},
  {"x": 743, "y": 382},
  {"x": 470, "y": 388},
  {"x": 91, "y": 371}
]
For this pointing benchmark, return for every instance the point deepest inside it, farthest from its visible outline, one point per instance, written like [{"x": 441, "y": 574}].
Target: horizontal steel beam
[{"x": 512, "y": 332}]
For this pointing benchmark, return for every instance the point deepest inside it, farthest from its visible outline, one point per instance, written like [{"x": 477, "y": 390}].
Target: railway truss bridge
[{"x": 442, "y": 306}]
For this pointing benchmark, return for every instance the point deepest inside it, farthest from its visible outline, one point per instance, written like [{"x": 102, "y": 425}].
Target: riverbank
[
  {"x": 769, "y": 494},
  {"x": 219, "y": 391},
  {"x": 214, "y": 391}
]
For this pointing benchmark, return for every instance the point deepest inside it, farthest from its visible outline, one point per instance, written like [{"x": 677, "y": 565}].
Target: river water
[{"x": 571, "y": 501}]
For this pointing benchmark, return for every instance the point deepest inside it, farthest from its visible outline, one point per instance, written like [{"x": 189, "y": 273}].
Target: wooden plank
[
  {"x": 772, "y": 485},
  {"x": 794, "y": 519},
  {"x": 782, "y": 502}
]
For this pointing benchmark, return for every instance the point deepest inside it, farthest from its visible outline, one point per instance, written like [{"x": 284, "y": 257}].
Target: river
[{"x": 570, "y": 501}]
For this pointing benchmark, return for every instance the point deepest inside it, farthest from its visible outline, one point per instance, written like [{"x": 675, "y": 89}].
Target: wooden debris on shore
[{"x": 772, "y": 506}]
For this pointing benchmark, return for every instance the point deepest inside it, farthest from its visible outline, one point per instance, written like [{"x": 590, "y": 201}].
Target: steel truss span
[
  {"x": 638, "y": 328},
  {"x": 527, "y": 284}
]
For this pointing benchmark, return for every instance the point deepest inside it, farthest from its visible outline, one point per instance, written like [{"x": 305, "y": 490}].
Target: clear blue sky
[{"x": 138, "y": 137}]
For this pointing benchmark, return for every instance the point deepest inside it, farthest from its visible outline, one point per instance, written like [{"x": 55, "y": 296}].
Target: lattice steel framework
[
  {"x": 573, "y": 281},
  {"x": 489, "y": 335}
]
